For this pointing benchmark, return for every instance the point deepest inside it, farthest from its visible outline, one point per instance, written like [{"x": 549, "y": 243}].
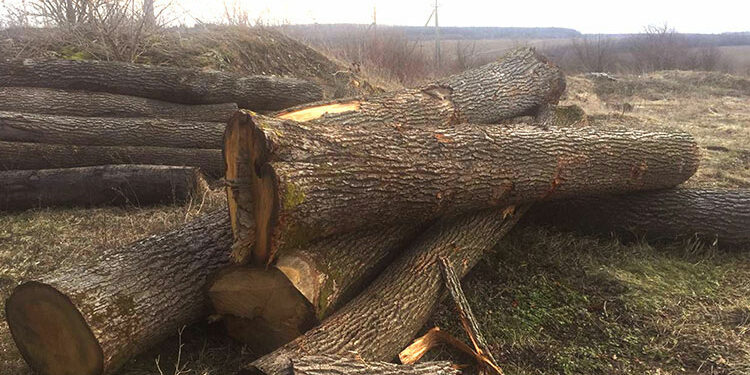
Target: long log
[
  {"x": 303, "y": 178},
  {"x": 178, "y": 85},
  {"x": 102, "y": 185},
  {"x": 522, "y": 83},
  {"x": 337, "y": 365},
  {"x": 101, "y": 104},
  {"x": 89, "y": 319},
  {"x": 108, "y": 131},
  {"x": 20, "y": 155},
  {"x": 715, "y": 216},
  {"x": 385, "y": 317}
]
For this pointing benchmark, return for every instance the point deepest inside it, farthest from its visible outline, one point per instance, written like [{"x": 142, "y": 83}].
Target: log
[
  {"x": 108, "y": 131},
  {"x": 88, "y": 319},
  {"x": 382, "y": 320},
  {"x": 714, "y": 216},
  {"x": 521, "y": 83},
  {"x": 177, "y": 85},
  {"x": 303, "y": 177},
  {"x": 337, "y": 365},
  {"x": 21, "y": 155},
  {"x": 101, "y": 104},
  {"x": 137, "y": 185}
]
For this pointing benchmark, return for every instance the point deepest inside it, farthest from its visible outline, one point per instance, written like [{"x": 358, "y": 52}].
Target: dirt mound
[{"x": 672, "y": 83}]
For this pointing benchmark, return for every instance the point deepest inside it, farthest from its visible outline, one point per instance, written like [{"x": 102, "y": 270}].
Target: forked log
[
  {"x": 303, "y": 178},
  {"x": 521, "y": 83},
  {"x": 384, "y": 317},
  {"x": 337, "y": 365},
  {"x": 715, "y": 216},
  {"x": 89, "y": 319},
  {"x": 108, "y": 131},
  {"x": 102, "y": 185},
  {"x": 178, "y": 85},
  {"x": 102, "y": 104}
]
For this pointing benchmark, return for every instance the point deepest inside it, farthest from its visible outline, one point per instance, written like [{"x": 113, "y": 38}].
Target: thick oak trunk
[
  {"x": 20, "y": 155},
  {"x": 303, "y": 178},
  {"x": 108, "y": 131},
  {"x": 101, "y": 104},
  {"x": 383, "y": 319},
  {"x": 102, "y": 185},
  {"x": 337, "y": 365},
  {"x": 89, "y": 319},
  {"x": 189, "y": 86},
  {"x": 521, "y": 83},
  {"x": 717, "y": 216}
]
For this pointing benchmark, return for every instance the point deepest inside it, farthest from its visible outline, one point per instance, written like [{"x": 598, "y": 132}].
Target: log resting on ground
[
  {"x": 178, "y": 85},
  {"x": 383, "y": 319},
  {"x": 338, "y": 365},
  {"x": 89, "y": 319},
  {"x": 21, "y": 155},
  {"x": 108, "y": 131},
  {"x": 521, "y": 83},
  {"x": 101, "y": 104},
  {"x": 719, "y": 216},
  {"x": 303, "y": 178}
]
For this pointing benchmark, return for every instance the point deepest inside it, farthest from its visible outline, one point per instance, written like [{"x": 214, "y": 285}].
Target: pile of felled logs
[{"x": 341, "y": 215}]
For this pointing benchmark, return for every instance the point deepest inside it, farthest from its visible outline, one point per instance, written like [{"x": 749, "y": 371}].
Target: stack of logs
[{"x": 344, "y": 218}]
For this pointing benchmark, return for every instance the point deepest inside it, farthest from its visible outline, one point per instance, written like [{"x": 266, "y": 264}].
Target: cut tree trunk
[
  {"x": 108, "y": 131},
  {"x": 189, "y": 86},
  {"x": 89, "y": 319},
  {"x": 521, "y": 83},
  {"x": 303, "y": 178},
  {"x": 102, "y": 185},
  {"x": 19, "y": 155},
  {"x": 715, "y": 216},
  {"x": 337, "y": 365},
  {"x": 382, "y": 320},
  {"x": 101, "y": 104}
]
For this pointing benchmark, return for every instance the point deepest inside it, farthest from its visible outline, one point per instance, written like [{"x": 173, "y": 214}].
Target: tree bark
[
  {"x": 519, "y": 84},
  {"x": 189, "y": 86},
  {"x": 89, "y": 319},
  {"x": 17, "y": 155},
  {"x": 100, "y": 104},
  {"x": 715, "y": 216},
  {"x": 303, "y": 178},
  {"x": 103, "y": 185},
  {"x": 107, "y": 131},
  {"x": 337, "y": 365},
  {"x": 383, "y": 319}
]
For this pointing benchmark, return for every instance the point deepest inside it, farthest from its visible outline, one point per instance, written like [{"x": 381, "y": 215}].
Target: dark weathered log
[
  {"x": 383, "y": 319},
  {"x": 519, "y": 84},
  {"x": 337, "y": 365},
  {"x": 89, "y": 319},
  {"x": 189, "y": 86},
  {"x": 303, "y": 178},
  {"x": 19, "y": 155},
  {"x": 719, "y": 216},
  {"x": 101, "y": 104},
  {"x": 102, "y": 185},
  {"x": 108, "y": 131}
]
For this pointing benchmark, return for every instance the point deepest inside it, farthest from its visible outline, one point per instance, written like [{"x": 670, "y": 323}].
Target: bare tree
[{"x": 594, "y": 53}]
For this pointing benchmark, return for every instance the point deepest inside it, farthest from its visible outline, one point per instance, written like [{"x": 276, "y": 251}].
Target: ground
[{"x": 549, "y": 302}]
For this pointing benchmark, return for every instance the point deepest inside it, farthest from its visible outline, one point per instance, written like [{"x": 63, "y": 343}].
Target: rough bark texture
[
  {"x": 108, "y": 131},
  {"x": 308, "y": 176},
  {"x": 102, "y": 185},
  {"x": 189, "y": 86},
  {"x": 20, "y": 155},
  {"x": 519, "y": 84},
  {"x": 383, "y": 319},
  {"x": 718, "y": 216},
  {"x": 336, "y": 365},
  {"x": 101, "y": 104},
  {"x": 89, "y": 319}
]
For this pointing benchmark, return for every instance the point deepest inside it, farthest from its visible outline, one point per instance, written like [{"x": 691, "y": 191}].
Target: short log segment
[
  {"x": 715, "y": 216},
  {"x": 101, "y": 104},
  {"x": 89, "y": 319},
  {"x": 382, "y": 320},
  {"x": 188, "y": 86},
  {"x": 102, "y": 185},
  {"x": 303, "y": 178},
  {"x": 108, "y": 131},
  {"x": 335, "y": 365},
  {"x": 520, "y": 84}
]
